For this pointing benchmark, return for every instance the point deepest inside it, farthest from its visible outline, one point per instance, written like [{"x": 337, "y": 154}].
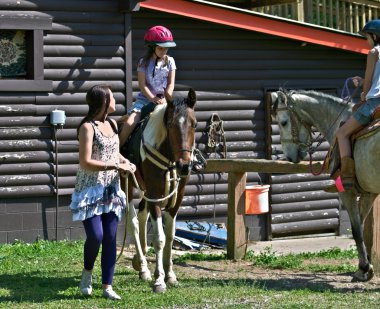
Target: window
[{"x": 21, "y": 51}]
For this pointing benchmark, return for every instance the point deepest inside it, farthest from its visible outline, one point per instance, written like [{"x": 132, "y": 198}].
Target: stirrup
[
  {"x": 335, "y": 186},
  {"x": 331, "y": 188}
]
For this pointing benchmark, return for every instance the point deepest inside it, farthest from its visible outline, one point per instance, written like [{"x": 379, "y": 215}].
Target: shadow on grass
[
  {"x": 312, "y": 282},
  {"x": 37, "y": 287}
]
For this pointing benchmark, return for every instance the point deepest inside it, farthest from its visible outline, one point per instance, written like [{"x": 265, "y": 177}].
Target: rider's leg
[
  {"x": 347, "y": 162},
  {"x": 128, "y": 127},
  {"x": 347, "y": 167}
]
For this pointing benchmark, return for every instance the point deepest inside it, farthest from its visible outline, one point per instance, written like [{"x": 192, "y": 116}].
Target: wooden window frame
[{"x": 34, "y": 24}]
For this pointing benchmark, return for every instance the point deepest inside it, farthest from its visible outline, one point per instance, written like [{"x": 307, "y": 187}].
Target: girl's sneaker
[
  {"x": 110, "y": 294},
  {"x": 86, "y": 282}
]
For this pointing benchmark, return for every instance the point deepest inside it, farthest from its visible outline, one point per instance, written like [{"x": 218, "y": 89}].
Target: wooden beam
[
  {"x": 259, "y": 166},
  {"x": 236, "y": 230}
]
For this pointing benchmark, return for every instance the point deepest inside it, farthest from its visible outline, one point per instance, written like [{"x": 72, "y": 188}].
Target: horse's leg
[
  {"x": 170, "y": 276},
  {"x": 365, "y": 273},
  {"x": 365, "y": 268},
  {"x": 143, "y": 216},
  {"x": 159, "y": 285},
  {"x": 139, "y": 261},
  {"x": 366, "y": 204}
]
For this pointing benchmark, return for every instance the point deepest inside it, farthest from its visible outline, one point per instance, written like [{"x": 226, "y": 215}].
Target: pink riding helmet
[{"x": 160, "y": 36}]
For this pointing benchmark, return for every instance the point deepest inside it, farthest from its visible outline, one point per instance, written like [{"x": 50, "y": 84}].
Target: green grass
[
  {"x": 46, "y": 275},
  {"x": 270, "y": 259}
]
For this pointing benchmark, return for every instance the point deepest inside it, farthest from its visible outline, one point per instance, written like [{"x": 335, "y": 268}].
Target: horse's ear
[
  {"x": 273, "y": 103},
  {"x": 191, "y": 98},
  {"x": 274, "y": 97},
  {"x": 281, "y": 97}
]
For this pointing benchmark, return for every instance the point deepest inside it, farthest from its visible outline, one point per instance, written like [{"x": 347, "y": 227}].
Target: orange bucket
[{"x": 256, "y": 199}]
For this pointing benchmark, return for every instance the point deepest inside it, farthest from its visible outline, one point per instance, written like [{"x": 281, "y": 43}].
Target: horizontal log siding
[
  {"x": 230, "y": 69},
  {"x": 85, "y": 47}
]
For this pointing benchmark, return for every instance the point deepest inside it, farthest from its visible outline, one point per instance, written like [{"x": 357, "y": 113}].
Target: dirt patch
[{"x": 270, "y": 278}]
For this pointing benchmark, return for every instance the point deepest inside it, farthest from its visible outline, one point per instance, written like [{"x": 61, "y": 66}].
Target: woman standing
[{"x": 98, "y": 200}]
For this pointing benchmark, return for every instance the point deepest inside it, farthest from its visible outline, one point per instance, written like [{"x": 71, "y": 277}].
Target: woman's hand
[{"x": 127, "y": 167}]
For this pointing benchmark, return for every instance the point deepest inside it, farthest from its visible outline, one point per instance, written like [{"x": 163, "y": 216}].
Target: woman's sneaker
[
  {"x": 86, "y": 282},
  {"x": 110, "y": 294}
]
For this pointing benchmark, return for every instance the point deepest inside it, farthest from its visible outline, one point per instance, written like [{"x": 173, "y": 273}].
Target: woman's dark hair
[{"x": 97, "y": 98}]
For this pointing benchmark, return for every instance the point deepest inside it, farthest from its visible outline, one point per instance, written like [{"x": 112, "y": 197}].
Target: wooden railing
[{"x": 345, "y": 15}]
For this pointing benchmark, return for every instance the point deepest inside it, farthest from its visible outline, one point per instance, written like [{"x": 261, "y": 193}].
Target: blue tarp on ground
[{"x": 203, "y": 232}]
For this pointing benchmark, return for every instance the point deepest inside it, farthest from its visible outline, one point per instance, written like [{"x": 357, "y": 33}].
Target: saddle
[{"x": 367, "y": 131}]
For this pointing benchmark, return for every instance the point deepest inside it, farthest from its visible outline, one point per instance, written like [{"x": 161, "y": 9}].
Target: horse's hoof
[
  {"x": 171, "y": 281},
  {"x": 360, "y": 276},
  {"x": 371, "y": 272},
  {"x": 145, "y": 275},
  {"x": 159, "y": 288},
  {"x": 136, "y": 263}
]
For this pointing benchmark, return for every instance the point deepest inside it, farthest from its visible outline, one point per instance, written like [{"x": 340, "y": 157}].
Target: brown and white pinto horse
[{"x": 166, "y": 151}]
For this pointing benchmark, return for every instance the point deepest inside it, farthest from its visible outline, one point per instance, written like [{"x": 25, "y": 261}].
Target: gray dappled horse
[
  {"x": 296, "y": 112},
  {"x": 166, "y": 150}
]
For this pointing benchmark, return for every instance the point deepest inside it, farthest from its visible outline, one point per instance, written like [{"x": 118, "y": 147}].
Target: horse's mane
[
  {"x": 316, "y": 95},
  {"x": 155, "y": 131}
]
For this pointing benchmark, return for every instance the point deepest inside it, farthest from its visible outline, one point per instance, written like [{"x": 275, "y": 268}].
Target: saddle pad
[{"x": 367, "y": 131}]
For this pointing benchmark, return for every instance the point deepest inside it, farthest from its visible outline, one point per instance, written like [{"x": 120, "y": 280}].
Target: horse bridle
[
  {"x": 294, "y": 120},
  {"x": 295, "y": 131},
  {"x": 188, "y": 166}
]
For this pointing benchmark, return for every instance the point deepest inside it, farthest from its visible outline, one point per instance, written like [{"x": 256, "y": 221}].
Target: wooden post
[
  {"x": 236, "y": 236},
  {"x": 372, "y": 234}
]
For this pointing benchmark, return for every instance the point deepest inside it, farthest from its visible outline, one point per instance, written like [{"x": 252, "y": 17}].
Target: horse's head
[
  {"x": 295, "y": 134},
  {"x": 181, "y": 123}
]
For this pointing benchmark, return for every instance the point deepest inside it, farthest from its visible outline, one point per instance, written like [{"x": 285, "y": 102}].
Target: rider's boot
[
  {"x": 334, "y": 167},
  {"x": 347, "y": 176},
  {"x": 347, "y": 173}
]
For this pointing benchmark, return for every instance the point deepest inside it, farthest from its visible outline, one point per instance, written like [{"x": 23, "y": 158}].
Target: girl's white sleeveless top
[{"x": 374, "y": 92}]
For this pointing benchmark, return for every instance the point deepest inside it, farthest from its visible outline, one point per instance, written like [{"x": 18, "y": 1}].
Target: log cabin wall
[
  {"x": 230, "y": 69},
  {"x": 85, "y": 46}
]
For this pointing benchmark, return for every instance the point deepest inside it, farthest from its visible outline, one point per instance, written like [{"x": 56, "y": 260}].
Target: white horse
[{"x": 296, "y": 112}]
